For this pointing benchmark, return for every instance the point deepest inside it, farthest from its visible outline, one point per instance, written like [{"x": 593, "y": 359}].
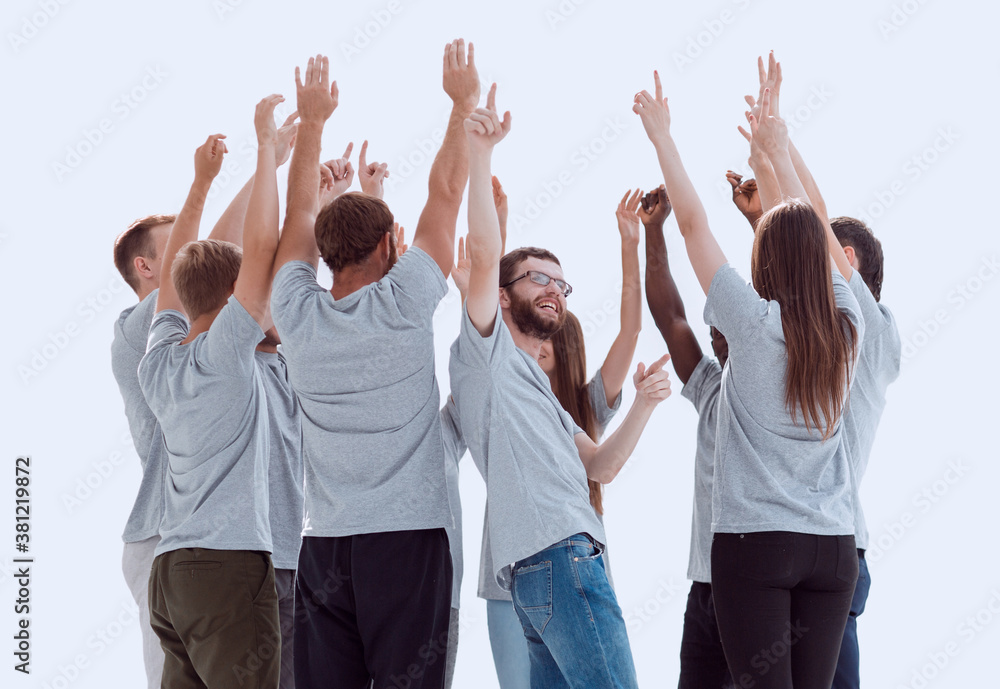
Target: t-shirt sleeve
[
  {"x": 733, "y": 306},
  {"x": 418, "y": 284},
  {"x": 876, "y": 318},
  {"x": 848, "y": 303},
  {"x": 229, "y": 344},
  {"x": 702, "y": 388},
  {"x": 477, "y": 352},
  {"x": 167, "y": 327},
  {"x": 295, "y": 282},
  {"x": 599, "y": 402},
  {"x": 451, "y": 432}
]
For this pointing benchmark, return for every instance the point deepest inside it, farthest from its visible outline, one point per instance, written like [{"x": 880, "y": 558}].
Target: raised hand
[
  {"x": 401, "y": 245},
  {"x": 461, "y": 80},
  {"x": 628, "y": 219},
  {"x": 483, "y": 127},
  {"x": 208, "y": 158},
  {"x": 317, "y": 98},
  {"x": 286, "y": 140},
  {"x": 652, "y": 385},
  {"x": 655, "y": 207},
  {"x": 653, "y": 112},
  {"x": 463, "y": 267},
  {"x": 343, "y": 171},
  {"x": 371, "y": 174},
  {"x": 745, "y": 194},
  {"x": 263, "y": 120},
  {"x": 500, "y": 201},
  {"x": 770, "y": 80},
  {"x": 768, "y": 131}
]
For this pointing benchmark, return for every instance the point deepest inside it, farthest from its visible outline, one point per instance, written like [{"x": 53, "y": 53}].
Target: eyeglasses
[{"x": 543, "y": 279}]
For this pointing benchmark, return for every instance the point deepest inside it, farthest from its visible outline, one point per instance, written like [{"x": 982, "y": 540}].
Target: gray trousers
[{"x": 137, "y": 560}]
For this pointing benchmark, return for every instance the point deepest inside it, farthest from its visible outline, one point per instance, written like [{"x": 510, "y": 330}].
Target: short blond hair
[{"x": 203, "y": 273}]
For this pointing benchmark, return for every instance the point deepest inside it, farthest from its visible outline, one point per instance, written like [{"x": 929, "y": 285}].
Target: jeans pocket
[
  {"x": 197, "y": 564},
  {"x": 585, "y": 549},
  {"x": 533, "y": 593},
  {"x": 764, "y": 557}
]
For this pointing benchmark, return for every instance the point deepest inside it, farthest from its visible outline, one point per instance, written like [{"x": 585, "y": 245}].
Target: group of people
[{"x": 299, "y": 521}]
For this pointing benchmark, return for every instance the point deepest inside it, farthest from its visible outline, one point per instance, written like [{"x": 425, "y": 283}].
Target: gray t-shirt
[
  {"x": 362, "y": 368},
  {"x": 284, "y": 470},
  {"x": 771, "y": 472},
  {"x": 522, "y": 442},
  {"x": 209, "y": 398},
  {"x": 127, "y": 348},
  {"x": 488, "y": 587},
  {"x": 454, "y": 450},
  {"x": 881, "y": 353},
  {"x": 703, "y": 389}
]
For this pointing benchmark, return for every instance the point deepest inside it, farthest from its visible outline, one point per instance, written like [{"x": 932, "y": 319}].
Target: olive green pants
[{"x": 216, "y": 615}]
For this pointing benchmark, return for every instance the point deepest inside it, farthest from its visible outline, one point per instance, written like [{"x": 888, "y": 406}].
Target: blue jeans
[
  {"x": 849, "y": 663},
  {"x": 571, "y": 619},
  {"x": 510, "y": 648}
]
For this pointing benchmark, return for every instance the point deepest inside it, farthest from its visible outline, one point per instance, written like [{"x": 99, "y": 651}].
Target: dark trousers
[
  {"x": 373, "y": 607},
  {"x": 216, "y": 615},
  {"x": 703, "y": 662},
  {"x": 782, "y": 601},
  {"x": 849, "y": 664}
]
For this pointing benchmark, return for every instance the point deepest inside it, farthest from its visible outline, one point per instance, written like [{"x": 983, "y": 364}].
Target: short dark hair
[
  {"x": 855, "y": 233},
  {"x": 510, "y": 262},
  {"x": 349, "y": 229},
  {"x": 137, "y": 241}
]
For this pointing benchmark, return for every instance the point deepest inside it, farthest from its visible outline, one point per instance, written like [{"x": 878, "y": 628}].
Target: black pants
[
  {"x": 782, "y": 601},
  {"x": 703, "y": 662},
  {"x": 373, "y": 607}
]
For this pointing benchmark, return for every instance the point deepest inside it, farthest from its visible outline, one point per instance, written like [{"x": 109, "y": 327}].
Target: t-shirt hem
[
  {"x": 833, "y": 530},
  {"x": 136, "y": 536},
  {"x": 208, "y": 545},
  {"x": 370, "y": 528}
]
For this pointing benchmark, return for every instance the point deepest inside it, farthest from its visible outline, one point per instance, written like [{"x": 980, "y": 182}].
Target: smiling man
[{"x": 545, "y": 537}]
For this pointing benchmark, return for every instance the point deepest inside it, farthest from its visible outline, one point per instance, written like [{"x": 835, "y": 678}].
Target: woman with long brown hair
[
  {"x": 784, "y": 560},
  {"x": 592, "y": 404}
]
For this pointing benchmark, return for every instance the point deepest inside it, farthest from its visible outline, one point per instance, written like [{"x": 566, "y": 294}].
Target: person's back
[
  {"x": 773, "y": 471},
  {"x": 209, "y": 399},
  {"x": 371, "y": 429}
]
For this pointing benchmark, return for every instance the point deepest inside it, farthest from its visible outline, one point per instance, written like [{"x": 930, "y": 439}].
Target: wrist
[
  {"x": 653, "y": 225},
  {"x": 464, "y": 106}
]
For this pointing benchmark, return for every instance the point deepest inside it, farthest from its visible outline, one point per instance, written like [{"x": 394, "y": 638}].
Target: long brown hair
[
  {"x": 791, "y": 265},
  {"x": 569, "y": 384}
]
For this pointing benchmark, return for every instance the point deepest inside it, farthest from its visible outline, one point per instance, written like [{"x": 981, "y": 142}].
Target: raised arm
[
  {"x": 260, "y": 228},
  {"x": 772, "y": 135},
  {"x": 618, "y": 362},
  {"x": 317, "y": 99},
  {"x": 207, "y": 163},
  {"x": 703, "y": 250},
  {"x": 483, "y": 129},
  {"x": 500, "y": 201},
  {"x": 229, "y": 227},
  {"x": 435, "y": 231},
  {"x": 604, "y": 461},
  {"x": 662, "y": 295}
]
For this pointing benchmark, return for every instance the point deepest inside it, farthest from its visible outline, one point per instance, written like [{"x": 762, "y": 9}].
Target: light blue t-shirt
[
  {"x": 521, "y": 440},
  {"x": 362, "y": 368},
  {"x": 209, "y": 399},
  {"x": 702, "y": 389},
  {"x": 127, "y": 349},
  {"x": 771, "y": 472},
  {"x": 488, "y": 587},
  {"x": 284, "y": 472},
  {"x": 454, "y": 450},
  {"x": 881, "y": 354}
]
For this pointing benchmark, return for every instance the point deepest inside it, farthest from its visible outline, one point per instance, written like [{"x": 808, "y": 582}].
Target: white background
[{"x": 886, "y": 79}]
